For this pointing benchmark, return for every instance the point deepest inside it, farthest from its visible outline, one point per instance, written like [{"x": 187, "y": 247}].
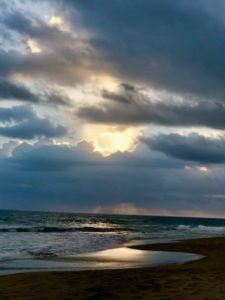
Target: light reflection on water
[
  {"x": 137, "y": 257},
  {"x": 116, "y": 254},
  {"x": 30, "y": 235},
  {"x": 117, "y": 258},
  {"x": 32, "y": 241}
]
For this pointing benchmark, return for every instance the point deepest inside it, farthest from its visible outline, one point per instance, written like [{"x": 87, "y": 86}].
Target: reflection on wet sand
[
  {"x": 117, "y": 258},
  {"x": 136, "y": 258}
]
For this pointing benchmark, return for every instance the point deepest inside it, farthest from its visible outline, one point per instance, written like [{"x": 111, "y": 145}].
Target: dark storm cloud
[
  {"x": 64, "y": 57},
  {"x": 51, "y": 38},
  {"x": 47, "y": 158},
  {"x": 17, "y": 21},
  {"x": 84, "y": 178},
  {"x": 16, "y": 113},
  {"x": 190, "y": 148},
  {"x": 178, "y": 46},
  {"x": 10, "y": 90},
  {"x": 13, "y": 91},
  {"x": 26, "y": 125},
  {"x": 51, "y": 176},
  {"x": 129, "y": 106},
  {"x": 64, "y": 66},
  {"x": 33, "y": 27},
  {"x": 56, "y": 97},
  {"x": 174, "y": 46},
  {"x": 61, "y": 158},
  {"x": 33, "y": 128}
]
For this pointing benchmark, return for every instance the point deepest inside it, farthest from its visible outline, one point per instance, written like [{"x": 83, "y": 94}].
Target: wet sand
[{"x": 202, "y": 279}]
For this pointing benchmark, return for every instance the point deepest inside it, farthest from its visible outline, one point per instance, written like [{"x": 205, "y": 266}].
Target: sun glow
[
  {"x": 200, "y": 169},
  {"x": 56, "y": 21},
  {"x": 33, "y": 46},
  {"x": 108, "y": 140},
  {"x": 105, "y": 82}
]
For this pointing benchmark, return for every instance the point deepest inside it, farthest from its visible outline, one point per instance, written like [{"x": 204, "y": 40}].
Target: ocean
[{"x": 31, "y": 241}]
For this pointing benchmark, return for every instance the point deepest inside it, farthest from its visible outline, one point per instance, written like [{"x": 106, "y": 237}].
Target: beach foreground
[{"x": 202, "y": 279}]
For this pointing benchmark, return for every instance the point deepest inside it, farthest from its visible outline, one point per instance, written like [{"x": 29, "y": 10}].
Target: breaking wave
[
  {"x": 202, "y": 228},
  {"x": 42, "y": 254},
  {"x": 48, "y": 229}
]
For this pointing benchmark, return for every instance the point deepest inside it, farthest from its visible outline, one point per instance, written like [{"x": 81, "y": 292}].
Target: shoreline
[
  {"x": 198, "y": 279},
  {"x": 124, "y": 256}
]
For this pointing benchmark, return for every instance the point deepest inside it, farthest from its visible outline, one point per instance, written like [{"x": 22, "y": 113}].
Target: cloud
[
  {"x": 175, "y": 46},
  {"x": 26, "y": 125},
  {"x": 86, "y": 146},
  {"x": 193, "y": 147},
  {"x": 33, "y": 128},
  {"x": 48, "y": 158},
  {"x": 7, "y": 149},
  {"x": 32, "y": 26},
  {"x": 55, "y": 97},
  {"x": 172, "y": 51},
  {"x": 64, "y": 57},
  {"x": 64, "y": 65},
  {"x": 10, "y": 90},
  {"x": 16, "y": 113},
  {"x": 51, "y": 157},
  {"x": 50, "y": 176},
  {"x": 17, "y": 21},
  {"x": 131, "y": 106}
]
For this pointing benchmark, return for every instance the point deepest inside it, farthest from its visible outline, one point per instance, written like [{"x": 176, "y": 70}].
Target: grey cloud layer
[
  {"x": 129, "y": 106},
  {"x": 22, "y": 122},
  {"x": 190, "y": 148},
  {"x": 16, "y": 113},
  {"x": 177, "y": 46},
  {"x": 174, "y": 47},
  {"x": 46, "y": 176},
  {"x": 10, "y": 90},
  {"x": 65, "y": 59}
]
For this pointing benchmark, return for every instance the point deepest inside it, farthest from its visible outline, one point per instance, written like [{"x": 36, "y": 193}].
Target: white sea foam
[
  {"x": 183, "y": 227},
  {"x": 202, "y": 228}
]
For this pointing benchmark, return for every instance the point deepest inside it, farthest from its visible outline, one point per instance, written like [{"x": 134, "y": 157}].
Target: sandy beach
[{"x": 202, "y": 279}]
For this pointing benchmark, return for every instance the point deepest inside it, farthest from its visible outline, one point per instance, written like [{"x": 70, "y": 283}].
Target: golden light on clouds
[
  {"x": 55, "y": 21},
  {"x": 105, "y": 82},
  {"x": 200, "y": 169},
  {"x": 33, "y": 46},
  {"x": 108, "y": 140}
]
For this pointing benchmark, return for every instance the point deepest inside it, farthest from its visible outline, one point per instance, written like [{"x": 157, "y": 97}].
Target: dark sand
[{"x": 202, "y": 279}]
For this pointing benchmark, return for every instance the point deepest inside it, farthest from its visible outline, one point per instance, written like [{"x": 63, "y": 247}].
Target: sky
[{"x": 113, "y": 106}]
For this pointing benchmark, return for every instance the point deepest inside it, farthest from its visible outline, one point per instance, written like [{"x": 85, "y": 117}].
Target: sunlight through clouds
[
  {"x": 33, "y": 46},
  {"x": 199, "y": 169},
  {"x": 108, "y": 140},
  {"x": 91, "y": 90},
  {"x": 56, "y": 21}
]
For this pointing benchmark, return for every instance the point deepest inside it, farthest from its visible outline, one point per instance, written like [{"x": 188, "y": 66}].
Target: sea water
[{"x": 54, "y": 241}]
